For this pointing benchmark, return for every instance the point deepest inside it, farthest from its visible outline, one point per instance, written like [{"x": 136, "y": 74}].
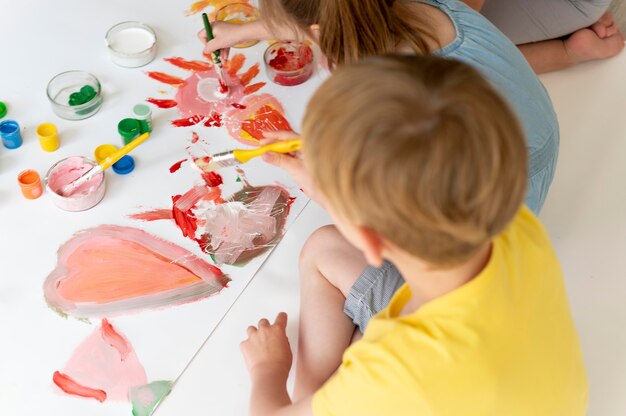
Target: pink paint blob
[
  {"x": 112, "y": 270},
  {"x": 104, "y": 367},
  {"x": 190, "y": 103},
  {"x": 84, "y": 196}
]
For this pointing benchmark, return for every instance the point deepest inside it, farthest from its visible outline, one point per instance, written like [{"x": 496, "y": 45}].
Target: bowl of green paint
[{"x": 75, "y": 95}]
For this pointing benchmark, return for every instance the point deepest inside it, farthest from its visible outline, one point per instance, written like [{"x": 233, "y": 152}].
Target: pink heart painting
[{"x": 111, "y": 270}]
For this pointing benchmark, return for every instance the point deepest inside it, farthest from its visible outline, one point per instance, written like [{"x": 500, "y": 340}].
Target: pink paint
[
  {"x": 190, "y": 104},
  {"x": 84, "y": 196},
  {"x": 176, "y": 166},
  {"x": 111, "y": 270},
  {"x": 104, "y": 366},
  {"x": 154, "y": 215}
]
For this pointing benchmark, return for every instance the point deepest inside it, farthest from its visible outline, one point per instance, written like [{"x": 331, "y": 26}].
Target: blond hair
[
  {"x": 353, "y": 29},
  {"x": 421, "y": 150}
]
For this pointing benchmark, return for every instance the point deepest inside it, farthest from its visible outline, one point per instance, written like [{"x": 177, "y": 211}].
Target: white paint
[
  {"x": 131, "y": 44},
  {"x": 208, "y": 89}
]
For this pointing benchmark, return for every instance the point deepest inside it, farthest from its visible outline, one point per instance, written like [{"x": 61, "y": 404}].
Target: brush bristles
[{"x": 220, "y": 160}]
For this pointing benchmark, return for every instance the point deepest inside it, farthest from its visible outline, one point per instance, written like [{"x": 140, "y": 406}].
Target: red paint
[
  {"x": 214, "y": 121},
  {"x": 267, "y": 118},
  {"x": 194, "y": 137},
  {"x": 292, "y": 60},
  {"x": 166, "y": 78},
  {"x": 239, "y": 106},
  {"x": 177, "y": 165},
  {"x": 68, "y": 385},
  {"x": 253, "y": 88},
  {"x": 155, "y": 215},
  {"x": 186, "y": 122},
  {"x": 212, "y": 179},
  {"x": 162, "y": 103},
  {"x": 185, "y": 220},
  {"x": 115, "y": 340},
  {"x": 196, "y": 66},
  {"x": 249, "y": 75},
  {"x": 223, "y": 86}
]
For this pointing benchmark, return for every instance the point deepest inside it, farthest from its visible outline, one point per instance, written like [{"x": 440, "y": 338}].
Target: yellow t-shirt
[{"x": 503, "y": 344}]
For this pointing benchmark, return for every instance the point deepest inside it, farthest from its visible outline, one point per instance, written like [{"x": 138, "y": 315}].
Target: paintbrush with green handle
[
  {"x": 215, "y": 54},
  {"x": 68, "y": 189},
  {"x": 237, "y": 156}
]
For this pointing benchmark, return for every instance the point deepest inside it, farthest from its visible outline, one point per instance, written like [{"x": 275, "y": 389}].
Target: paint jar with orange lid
[
  {"x": 30, "y": 184},
  {"x": 239, "y": 13}
]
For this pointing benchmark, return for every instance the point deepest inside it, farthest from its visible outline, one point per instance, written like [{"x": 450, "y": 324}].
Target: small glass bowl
[
  {"x": 62, "y": 86},
  {"x": 239, "y": 13},
  {"x": 80, "y": 201},
  {"x": 288, "y": 63},
  {"x": 131, "y": 44}
]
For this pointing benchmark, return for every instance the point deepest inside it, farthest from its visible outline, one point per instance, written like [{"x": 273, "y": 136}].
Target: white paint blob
[
  {"x": 209, "y": 90},
  {"x": 131, "y": 44}
]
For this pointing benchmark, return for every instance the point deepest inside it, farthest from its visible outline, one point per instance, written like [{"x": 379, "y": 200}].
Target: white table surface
[{"x": 585, "y": 211}]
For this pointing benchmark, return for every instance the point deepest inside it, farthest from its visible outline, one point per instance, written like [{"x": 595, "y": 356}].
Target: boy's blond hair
[
  {"x": 353, "y": 29},
  {"x": 421, "y": 150}
]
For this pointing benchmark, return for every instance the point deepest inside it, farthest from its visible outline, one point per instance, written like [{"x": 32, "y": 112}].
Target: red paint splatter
[
  {"x": 267, "y": 118},
  {"x": 239, "y": 106},
  {"x": 186, "y": 122},
  {"x": 253, "y": 88},
  {"x": 223, "y": 87},
  {"x": 196, "y": 66},
  {"x": 155, "y": 215},
  {"x": 162, "y": 103},
  {"x": 214, "y": 121},
  {"x": 177, "y": 165},
  {"x": 68, "y": 385},
  {"x": 292, "y": 60},
  {"x": 115, "y": 340},
  {"x": 249, "y": 75},
  {"x": 185, "y": 220},
  {"x": 194, "y": 137},
  {"x": 212, "y": 179},
  {"x": 166, "y": 78}
]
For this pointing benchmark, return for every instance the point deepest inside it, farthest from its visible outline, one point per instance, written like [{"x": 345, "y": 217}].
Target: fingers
[
  {"x": 281, "y": 320},
  {"x": 251, "y": 330},
  {"x": 273, "y": 136},
  {"x": 264, "y": 323},
  {"x": 289, "y": 163}
]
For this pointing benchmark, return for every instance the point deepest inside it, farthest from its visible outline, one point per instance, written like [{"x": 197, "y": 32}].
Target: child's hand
[
  {"x": 291, "y": 162},
  {"x": 225, "y": 35},
  {"x": 266, "y": 351}
]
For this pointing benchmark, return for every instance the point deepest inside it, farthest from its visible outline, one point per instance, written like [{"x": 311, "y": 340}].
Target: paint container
[
  {"x": 30, "y": 184},
  {"x": 143, "y": 113},
  {"x": 124, "y": 166},
  {"x": 48, "y": 138},
  {"x": 288, "y": 63},
  {"x": 239, "y": 13},
  {"x": 10, "y": 132},
  {"x": 3, "y": 109},
  {"x": 75, "y": 95},
  {"x": 129, "y": 129},
  {"x": 131, "y": 44},
  {"x": 103, "y": 151},
  {"x": 63, "y": 173}
]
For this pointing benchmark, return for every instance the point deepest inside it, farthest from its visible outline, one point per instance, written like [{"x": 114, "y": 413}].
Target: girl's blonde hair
[
  {"x": 421, "y": 150},
  {"x": 352, "y": 29}
]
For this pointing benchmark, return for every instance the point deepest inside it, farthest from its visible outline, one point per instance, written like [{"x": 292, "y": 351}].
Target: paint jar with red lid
[{"x": 289, "y": 63}]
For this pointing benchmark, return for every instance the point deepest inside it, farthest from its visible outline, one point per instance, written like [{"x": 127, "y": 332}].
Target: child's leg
[
  {"x": 526, "y": 21},
  {"x": 329, "y": 266}
]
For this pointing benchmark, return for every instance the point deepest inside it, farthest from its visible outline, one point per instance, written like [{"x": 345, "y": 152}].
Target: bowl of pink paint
[{"x": 65, "y": 172}]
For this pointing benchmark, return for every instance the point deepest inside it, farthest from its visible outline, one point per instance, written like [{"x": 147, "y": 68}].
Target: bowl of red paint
[
  {"x": 289, "y": 63},
  {"x": 67, "y": 170}
]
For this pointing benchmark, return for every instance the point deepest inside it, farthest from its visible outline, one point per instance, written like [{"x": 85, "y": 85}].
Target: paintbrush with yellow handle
[
  {"x": 237, "y": 156},
  {"x": 68, "y": 189}
]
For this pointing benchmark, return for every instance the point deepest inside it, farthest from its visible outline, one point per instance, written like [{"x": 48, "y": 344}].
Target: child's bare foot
[{"x": 599, "y": 41}]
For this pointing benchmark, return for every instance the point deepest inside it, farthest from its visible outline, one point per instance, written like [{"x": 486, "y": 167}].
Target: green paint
[
  {"x": 146, "y": 398},
  {"x": 238, "y": 179}
]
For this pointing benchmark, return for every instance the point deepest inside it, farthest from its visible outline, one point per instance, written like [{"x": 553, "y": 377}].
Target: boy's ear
[{"x": 372, "y": 246}]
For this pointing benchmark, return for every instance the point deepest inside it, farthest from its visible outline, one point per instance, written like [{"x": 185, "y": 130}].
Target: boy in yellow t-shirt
[{"x": 421, "y": 165}]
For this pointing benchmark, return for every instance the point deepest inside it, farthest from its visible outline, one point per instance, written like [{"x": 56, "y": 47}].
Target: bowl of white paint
[{"x": 131, "y": 44}]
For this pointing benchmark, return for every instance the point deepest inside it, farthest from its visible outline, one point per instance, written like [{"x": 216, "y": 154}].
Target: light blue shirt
[{"x": 481, "y": 45}]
